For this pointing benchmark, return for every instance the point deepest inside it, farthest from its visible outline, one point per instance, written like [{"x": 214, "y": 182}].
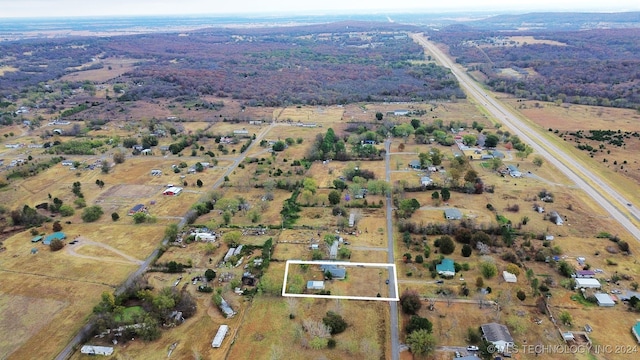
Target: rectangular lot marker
[{"x": 391, "y": 267}]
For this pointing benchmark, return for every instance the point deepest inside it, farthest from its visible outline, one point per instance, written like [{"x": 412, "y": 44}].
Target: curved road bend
[
  {"x": 614, "y": 203},
  {"x": 85, "y": 330},
  {"x": 395, "y": 342}
]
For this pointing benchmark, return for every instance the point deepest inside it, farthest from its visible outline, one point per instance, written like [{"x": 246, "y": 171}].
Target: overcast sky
[{"x": 63, "y": 8}]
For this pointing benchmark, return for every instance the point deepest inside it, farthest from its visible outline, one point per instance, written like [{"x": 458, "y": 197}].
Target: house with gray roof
[
  {"x": 452, "y": 214},
  {"x": 498, "y": 335},
  {"x": 337, "y": 273}
]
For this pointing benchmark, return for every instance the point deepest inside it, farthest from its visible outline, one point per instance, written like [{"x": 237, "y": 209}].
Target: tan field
[{"x": 112, "y": 69}]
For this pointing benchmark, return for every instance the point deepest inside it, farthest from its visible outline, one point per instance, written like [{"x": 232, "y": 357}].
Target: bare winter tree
[
  {"x": 292, "y": 303},
  {"x": 316, "y": 328}
]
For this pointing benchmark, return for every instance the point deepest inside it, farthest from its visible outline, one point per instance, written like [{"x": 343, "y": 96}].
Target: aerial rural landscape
[{"x": 398, "y": 186}]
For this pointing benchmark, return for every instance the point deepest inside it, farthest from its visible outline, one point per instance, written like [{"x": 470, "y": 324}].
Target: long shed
[{"x": 222, "y": 332}]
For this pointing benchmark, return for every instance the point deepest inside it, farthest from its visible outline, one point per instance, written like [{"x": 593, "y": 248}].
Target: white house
[
  {"x": 172, "y": 191},
  {"x": 222, "y": 332},
  {"x": 352, "y": 219},
  {"x": 498, "y": 335},
  {"x": 587, "y": 283},
  {"x": 509, "y": 277},
  {"x": 425, "y": 181},
  {"x": 97, "y": 350},
  {"x": 205, "y": 237}
]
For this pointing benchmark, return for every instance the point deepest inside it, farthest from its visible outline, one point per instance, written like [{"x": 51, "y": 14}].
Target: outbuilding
[
  {"x": 509, "y": 277},
  {"x": 315, "y": 285},
  {"x": 587, "y": 283},
  {"x": 604, "y": 300},
  {"x": 222, "y": 332},
  {"x": 172, "y": 191},
  {"x": 635, "y": 329},
  {"x": 452, "y": 214}
]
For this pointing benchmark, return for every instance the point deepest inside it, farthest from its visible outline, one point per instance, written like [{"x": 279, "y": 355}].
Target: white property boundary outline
[{"x": 391, "y": 267}]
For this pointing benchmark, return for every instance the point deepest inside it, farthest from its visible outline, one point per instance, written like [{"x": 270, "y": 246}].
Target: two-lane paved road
[{"x": 393, "y": 306}]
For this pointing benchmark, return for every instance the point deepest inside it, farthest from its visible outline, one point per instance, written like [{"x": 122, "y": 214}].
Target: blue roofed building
[
  {"x": 337, "y": 273},
  {"x": 636, "y": 331},
  {"x": 55, "y": 236},
  {"x": 446, "y": 267}
]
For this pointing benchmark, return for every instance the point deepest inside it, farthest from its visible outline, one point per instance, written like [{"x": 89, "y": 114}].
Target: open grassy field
[
  {"x": 268, "y": 332},
  {"x": 113, "y": 67}
]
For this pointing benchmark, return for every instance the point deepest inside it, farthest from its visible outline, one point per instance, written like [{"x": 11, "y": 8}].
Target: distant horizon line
[{"x": 320, "y": 13}]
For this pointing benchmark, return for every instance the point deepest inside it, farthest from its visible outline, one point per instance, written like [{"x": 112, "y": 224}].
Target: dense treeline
[
  {"x": 596, "y": 67},
  {"x": 278, "y": 69},
  {"x": 320, "y": 64}
]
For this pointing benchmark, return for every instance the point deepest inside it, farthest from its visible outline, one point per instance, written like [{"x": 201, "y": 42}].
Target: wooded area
[{"x": 595, "y": 67}]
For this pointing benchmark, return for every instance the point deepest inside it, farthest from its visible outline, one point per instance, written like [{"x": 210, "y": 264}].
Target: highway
[
  {"x": 593, "y": 185},
  {"x": 393, "y": 305}
]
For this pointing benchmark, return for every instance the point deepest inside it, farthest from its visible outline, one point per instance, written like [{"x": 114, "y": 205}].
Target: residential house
[
  {"x": 207, "y": 237},
  {"x": 497, "y": 154},
  {"x": 586, "y": 283},
  {"x": 425, "y": 181},
  {"x": 67, "y": 163},
  {"x": 241, "y": 132},
  {"x": 315, "y": 285},
  {"x": 352, "y": 219},
  {"x": 509, "y": 277},
  {"x": 604, "y": 300},
  {"x": 514, "y": 171},
  {"x": 585, "y": 274},
  {"x": 452, "y": 214},
  {"x": 96, "y": 350},
  {"x": 400, "y": 112},
  {"x": 498, "y": 335},
  {"x": 136, "y": 209},
  {"x": 55, "y": 236},
  {"x": 222, "y": 332},
  {"x": 337, "y": 273},
  {"x": 415, "y": 164},
  {"x": 446, "y": 268}
]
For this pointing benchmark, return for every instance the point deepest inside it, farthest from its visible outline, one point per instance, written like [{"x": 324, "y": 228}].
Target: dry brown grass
[
  {"x": 6, "y": 68},
  {"x": 268, "y": 331},
  {"x": 118, "y": 67}
]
